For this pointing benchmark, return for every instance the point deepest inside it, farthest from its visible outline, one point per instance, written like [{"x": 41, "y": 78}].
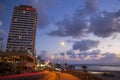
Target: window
[{"x": 24, "y": 12}]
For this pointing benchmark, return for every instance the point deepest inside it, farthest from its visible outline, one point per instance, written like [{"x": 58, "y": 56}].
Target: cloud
[
  {"x": 42, "y": 6},
  {"x": 43, "y": 54},
  {"x": 109, "y": 58},
  {"x": 71, "y": 54},
  {"x": 69, "y": 40},
  {"x": 1, "y": 23},
  {"x": 62, "y": 54},
  {"x": 91, "y": 5},
  {"x": 105, "y": 25},
  {"x": 1, "y": 8},
  {"x": 88, "y": 20},
  {"x": 109, "y": 45},
  {"x": 2, "y": 32},
  {"x": 95, "y": 56},
  {"x": 2, "y": 35},
  {"x": 74, "y": 26},
  {"x": 70, "y": 26},
  {"x": 114, "y": 36},
  {"x": 89, "y": 54},
  {"x": 85, "y": 45}
]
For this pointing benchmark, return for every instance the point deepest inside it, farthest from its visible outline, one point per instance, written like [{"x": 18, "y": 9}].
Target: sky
[{"x": 90, "y": 29}]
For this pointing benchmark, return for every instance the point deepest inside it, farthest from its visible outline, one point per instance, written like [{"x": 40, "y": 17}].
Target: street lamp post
[
  {"x": 64, "y": 53},
  {"x": 52, "y": 57},
  {"x": 52, "y": 61}
]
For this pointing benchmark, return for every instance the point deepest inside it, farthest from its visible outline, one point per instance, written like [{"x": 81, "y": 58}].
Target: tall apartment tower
[{"x": 22, "y": 29}]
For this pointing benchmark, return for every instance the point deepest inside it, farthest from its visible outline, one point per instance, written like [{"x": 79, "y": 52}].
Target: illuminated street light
[
  {"x": 63, "y": 45},
  {"x": 47, "y": 62},
  {"x": 52, "y": 57}
]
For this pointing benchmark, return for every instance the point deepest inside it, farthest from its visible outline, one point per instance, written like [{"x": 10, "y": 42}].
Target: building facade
[
  {"x": 22, "y": 30},
  {"x": 19, "y": 61}
]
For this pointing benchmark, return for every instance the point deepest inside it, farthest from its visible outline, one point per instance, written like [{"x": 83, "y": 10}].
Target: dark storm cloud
[
  {"x": 85, "y": 45},
  {"x": 42, "y": 6}
]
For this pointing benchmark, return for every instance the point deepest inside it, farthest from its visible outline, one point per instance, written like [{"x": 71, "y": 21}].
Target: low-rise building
[{"x": 21, "y": 61}]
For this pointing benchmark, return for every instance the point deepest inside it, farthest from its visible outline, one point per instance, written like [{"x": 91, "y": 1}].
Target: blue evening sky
[{"x": 89, "y": 28}]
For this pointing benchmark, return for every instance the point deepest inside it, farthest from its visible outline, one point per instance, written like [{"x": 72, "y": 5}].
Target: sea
[{"x": 98, "y": 67}]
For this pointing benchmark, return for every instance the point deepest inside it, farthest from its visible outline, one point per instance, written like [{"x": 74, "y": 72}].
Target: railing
[{"x": 82, "y": 75}]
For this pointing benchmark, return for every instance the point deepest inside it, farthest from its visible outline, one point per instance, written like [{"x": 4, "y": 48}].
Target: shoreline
[{"x": 106, "y": 75}]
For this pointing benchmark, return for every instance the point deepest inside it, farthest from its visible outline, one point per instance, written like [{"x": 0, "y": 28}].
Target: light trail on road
[
  {"x": 45, "y": 75},
  {"x": 21, "y": 75}
]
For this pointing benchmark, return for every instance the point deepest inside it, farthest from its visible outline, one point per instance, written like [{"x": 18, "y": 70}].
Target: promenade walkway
[
  {"x": 45, "y": 75},
  {"x": 58, "y": 76}
]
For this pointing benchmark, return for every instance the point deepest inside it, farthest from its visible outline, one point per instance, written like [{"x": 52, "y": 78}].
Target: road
[{"x": 46, "y": 75}]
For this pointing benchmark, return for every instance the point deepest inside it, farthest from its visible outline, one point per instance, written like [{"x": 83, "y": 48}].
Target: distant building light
[
  {"x": 19, "y": 37},
  {"x": 32, "y": 9},
  {"x": 24, "y": 12},
  {"x": 42, "y": 65},
  {"x": 15, "y": 19},
  {"x": 29, "y": 52}
]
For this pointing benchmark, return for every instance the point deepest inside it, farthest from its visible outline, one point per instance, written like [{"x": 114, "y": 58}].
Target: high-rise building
[{"x": 22, "y": 29}]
